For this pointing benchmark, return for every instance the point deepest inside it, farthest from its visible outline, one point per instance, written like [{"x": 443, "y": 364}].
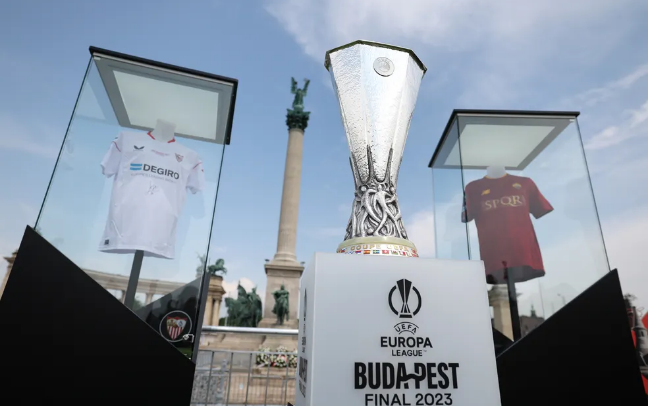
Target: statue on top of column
[
  {"x": 297, "y": 117},
  {"x": 281, "y": 305}
]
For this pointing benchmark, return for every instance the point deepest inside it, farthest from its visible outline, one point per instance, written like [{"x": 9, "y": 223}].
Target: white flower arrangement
[{"x": 286, "y": 358}]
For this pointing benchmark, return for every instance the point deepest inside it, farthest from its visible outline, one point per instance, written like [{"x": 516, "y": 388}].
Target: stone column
[
  {"x": 284, "y": 269},
  {"x": 10, "y": 263},
  {"x": 499, "y": 300},
  {"x": 214, "y": 296},
  {"x": 207, "y": 317},
  {"x": 149, "y": 298},
  {"x": 287, "y": 235},
  {"x": 216, "y": 312},
  {"x": 121, "y": 299}
]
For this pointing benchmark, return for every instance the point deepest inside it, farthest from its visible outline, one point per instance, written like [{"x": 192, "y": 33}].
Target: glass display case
[
  {"x": 512, "y": 188},
  {"x": 132, "y": 196}
]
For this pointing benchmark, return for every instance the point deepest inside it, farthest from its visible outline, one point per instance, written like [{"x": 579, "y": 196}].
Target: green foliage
[{"x": 137, "y": 304}]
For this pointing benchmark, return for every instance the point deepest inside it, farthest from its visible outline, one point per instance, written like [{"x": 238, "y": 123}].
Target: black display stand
[
  {"x": 65, "y": 339},
  {"x": 133, "y": 279},
  {"x": 184, "y": 299},
  {"x": 501, "y": 341},
  {"x": 513, "y": 304},
  {"x": 581, "y": 355}
]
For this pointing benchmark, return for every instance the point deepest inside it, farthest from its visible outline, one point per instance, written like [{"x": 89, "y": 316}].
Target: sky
[{"x": 585, "y": 55}]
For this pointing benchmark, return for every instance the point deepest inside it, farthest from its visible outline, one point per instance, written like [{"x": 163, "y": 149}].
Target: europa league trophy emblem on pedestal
[{"x": 377, "y": 88}]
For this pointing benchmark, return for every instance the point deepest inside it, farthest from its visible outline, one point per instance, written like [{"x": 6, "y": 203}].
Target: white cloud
[
  {"x": 231, "y": 287},
  {"x": 616, "y": 134},
  {"x": 608, "y": 111},
  {"x": 492, "y": 48},
  {"x": 318, "y": 25},
  {"x": 626, "y": 242},
  {"x": 605, "y": 93},
  {"x": 421, "y": 231}
]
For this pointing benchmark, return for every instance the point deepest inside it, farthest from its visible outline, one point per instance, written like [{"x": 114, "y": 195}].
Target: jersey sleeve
[
  {"x": 110, "y": 163},
  {"x": 196, "y": 180},
  {"x": 539, "y": 206}
]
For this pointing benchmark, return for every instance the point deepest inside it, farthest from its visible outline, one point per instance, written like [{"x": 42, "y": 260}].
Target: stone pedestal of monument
[
  {"x": 502, "y": 318},
  {"x": 278, "y": 274}
]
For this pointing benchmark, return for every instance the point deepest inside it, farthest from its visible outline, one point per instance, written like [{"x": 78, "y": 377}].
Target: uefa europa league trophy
[{"x": 377, "y": 88}]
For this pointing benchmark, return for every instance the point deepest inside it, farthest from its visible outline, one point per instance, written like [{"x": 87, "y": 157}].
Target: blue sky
[{"x": 584, "y": 55}]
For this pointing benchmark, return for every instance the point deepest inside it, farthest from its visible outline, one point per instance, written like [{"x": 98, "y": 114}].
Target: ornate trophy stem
[
  {"x": 377, "y": 88},
  {"x": 375, "y": 210}
]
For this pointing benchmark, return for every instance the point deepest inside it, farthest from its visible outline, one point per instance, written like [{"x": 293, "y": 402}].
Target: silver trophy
[{"x": 377, "y": 86}]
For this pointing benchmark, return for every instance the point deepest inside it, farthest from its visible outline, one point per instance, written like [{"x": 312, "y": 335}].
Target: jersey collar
[
  {"x": 487, "y": 177},
  {"x": 168, "y": 142}
]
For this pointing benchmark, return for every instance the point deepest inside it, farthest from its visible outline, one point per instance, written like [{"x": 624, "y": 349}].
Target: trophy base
[{"x": 386, "y": 246}]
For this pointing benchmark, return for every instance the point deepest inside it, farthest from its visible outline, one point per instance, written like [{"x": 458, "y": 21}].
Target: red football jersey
[{"x": 501, "y": 209}]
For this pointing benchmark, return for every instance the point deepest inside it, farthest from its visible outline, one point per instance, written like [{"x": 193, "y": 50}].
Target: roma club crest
[{"x": 174, "y": 325}]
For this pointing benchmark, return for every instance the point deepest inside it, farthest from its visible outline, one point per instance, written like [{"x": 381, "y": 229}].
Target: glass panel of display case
[
  {"x": 529, "y": 210},
  {"x": 450, "y": 233},
  {"x": 136, "y": 181}
]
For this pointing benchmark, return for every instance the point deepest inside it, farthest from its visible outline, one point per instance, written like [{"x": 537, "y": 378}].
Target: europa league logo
[{"x": 405, "y": 286}]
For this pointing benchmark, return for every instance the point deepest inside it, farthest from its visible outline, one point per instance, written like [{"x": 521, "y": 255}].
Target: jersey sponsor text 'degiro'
[{"x": 148, "y": 193}]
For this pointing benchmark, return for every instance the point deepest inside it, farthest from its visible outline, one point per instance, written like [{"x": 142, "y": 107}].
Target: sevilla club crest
[
  {"x": 179, "y": 158},
  {"x": 174, "y": 325}
]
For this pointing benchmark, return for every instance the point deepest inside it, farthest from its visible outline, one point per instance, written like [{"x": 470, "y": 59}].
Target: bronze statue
[
  {"x": 300, "y": 94},
  {"x": 281, "y": 305},
  {"x": 297, "y": 117},
  {"x": 216, "y": 269},
  {"x": 245, "y": 310}
]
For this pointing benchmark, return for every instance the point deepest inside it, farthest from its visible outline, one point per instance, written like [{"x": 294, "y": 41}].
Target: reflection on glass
[
  {"x": 139, "y": 171},
  {"x": 529, "y": 211},
  {"x": 451, "y": 235}
]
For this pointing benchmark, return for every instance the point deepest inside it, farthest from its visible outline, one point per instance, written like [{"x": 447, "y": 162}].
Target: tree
[{"x": 137, "y": 304}]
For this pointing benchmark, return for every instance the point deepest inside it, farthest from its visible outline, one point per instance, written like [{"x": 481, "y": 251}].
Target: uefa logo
[{"x": 383, "y": 66}]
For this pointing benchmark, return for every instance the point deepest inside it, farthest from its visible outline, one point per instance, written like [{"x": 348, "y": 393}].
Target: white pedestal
[{"x": 358, "y": 347}]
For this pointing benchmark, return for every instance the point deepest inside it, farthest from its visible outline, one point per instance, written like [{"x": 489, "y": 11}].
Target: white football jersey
[{"x": 148, "y": 193}]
